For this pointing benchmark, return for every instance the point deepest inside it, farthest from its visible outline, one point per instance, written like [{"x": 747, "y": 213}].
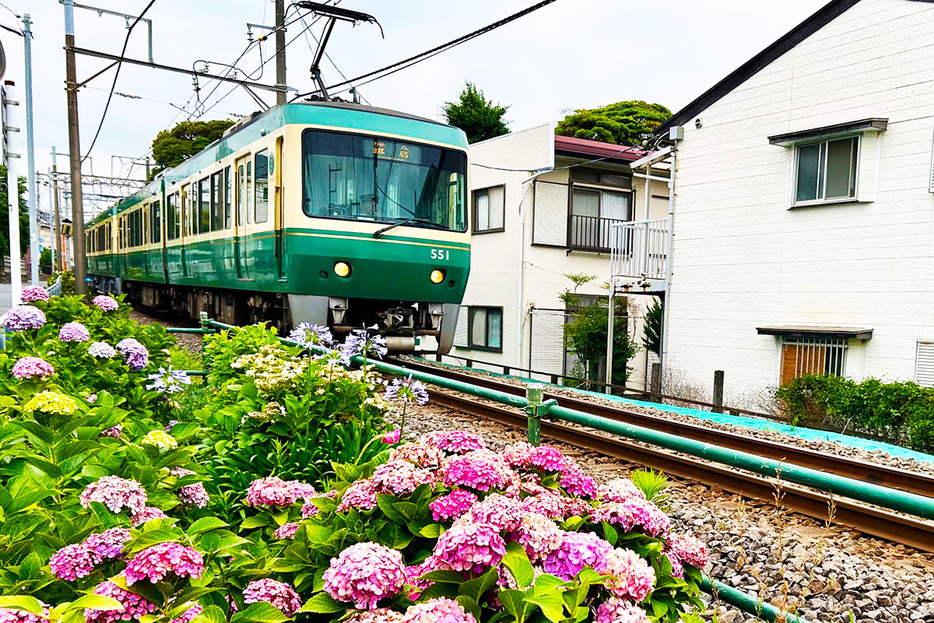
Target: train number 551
[{"x": 440, "y": 254}]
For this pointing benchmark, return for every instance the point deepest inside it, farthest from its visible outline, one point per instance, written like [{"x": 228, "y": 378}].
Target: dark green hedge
[{"x": 901, "y": 413}]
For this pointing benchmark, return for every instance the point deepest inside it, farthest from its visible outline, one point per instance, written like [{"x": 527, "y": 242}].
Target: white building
[
  {"x": 544, "y": 206},
  {"x": 803, "y": 207}
]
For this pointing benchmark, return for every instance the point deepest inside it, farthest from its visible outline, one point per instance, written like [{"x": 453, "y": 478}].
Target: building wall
[
  {"x": 743, "y": 259},
  {"x": 495, "y": 264}
]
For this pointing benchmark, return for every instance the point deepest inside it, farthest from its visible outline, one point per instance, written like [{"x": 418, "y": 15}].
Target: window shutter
[
  {"x": 460, "y": 333},
  {"x": 924, "y": 363},
  {"x": 550, "y": 216}
]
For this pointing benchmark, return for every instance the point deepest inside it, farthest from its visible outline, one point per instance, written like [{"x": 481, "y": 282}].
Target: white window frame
[{"x": 823, "y": 201}]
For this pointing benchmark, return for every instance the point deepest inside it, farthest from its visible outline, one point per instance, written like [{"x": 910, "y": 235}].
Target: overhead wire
[{"x": 412, "y": 60}]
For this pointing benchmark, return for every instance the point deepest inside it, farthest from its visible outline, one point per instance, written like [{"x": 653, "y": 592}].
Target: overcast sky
[{"x": 570, "y": 54}]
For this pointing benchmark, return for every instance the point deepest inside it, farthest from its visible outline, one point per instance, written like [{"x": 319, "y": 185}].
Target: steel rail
[
  {"x": 884, "y": 475},
  {"x": 870, "y": 520}
]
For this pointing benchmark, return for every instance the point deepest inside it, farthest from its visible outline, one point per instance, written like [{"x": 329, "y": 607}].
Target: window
[
  {"x": 171, "y": 216},
  {"x": 217, "y": 207},
  {"x": 593, "y": 214},
  {"x": 603, "y": 178},
  {"x": 241, "y": 196},
  {"x": 186, "y": 210},
  {"x": 485, "y": 328},
  {"x": 826, "y": 171},
  {"x": 155, "y": 225},
  {"x": 261, "y": 187},
  {"x": 228, "y": 193},
  {"x": 802, "y": 356},
  {"x": 489, "y": 209},
  {"x": 204, "y": 206}
]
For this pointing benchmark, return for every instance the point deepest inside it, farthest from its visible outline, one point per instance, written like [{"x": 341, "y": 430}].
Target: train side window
[
  {"x": 156, "y": 226},
  {"x": 249, "y": 195},
  {"x": 241, "y": 196},
  {"x": 261, "y": 187},
  {"x": 228, "y": 192},
  {"x": 170, "y": 217},
  {"x": 186, "y": 210},
  {"x": 217, "y": 208},
  {"x": 204, "y": 206}
]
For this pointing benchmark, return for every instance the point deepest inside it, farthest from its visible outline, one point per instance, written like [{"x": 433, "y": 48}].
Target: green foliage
[
  {"x": 45, "y": 258},
  {"x": 653, "y": 484},
  {"x": 5, "y": 215},
  {"x": 622, "y": 123},
  {"x": 478, "y": 117},
  {"x": 652, "y": 330},
  {"x": 68, "y": 282},
  {"x": 898, "y": 412},
  {"x": 172, "y": 147}
]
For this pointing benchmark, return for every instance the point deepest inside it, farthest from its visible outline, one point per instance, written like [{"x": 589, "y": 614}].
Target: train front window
[{"x": 366, "y": 178}]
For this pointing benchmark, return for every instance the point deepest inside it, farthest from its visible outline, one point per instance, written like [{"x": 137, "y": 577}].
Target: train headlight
[
  {"x": 342, "y": 269},
  {"x": 437, "y": 276}
]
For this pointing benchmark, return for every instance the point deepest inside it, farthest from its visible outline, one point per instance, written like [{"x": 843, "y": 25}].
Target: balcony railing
[
  {"x": 639, "y": 249},
  {"x": 591, "y": 233}
]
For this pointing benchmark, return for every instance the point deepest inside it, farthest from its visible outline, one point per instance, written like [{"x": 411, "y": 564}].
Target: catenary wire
[{"x": 408, "y": 62}]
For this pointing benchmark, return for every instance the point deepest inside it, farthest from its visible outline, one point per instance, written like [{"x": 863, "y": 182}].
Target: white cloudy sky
[{"x": 570, "y": 54}]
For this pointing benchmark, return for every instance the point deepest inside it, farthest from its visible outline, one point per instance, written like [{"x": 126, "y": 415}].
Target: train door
[
  {"x": 163, "y": 207},
  {"x": 186, "y": 226},
  {"x": 145, "y": 231},
  {"x": 275, "y": 170},
  {"x": 244, "y": 168},
  {"x": 124, "y": 243}
]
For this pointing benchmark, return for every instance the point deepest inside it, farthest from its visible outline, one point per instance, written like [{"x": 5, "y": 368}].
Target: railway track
[{"x": 822, "y": 506}]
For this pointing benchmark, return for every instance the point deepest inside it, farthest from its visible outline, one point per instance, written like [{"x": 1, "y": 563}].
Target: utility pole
[
  {"x": 57, "y": 217},
  {"x": 31, "y": 159},
  {"x": 74, "y": 149},
  {"x": 12, "y": 191},
  {"x": 280, "y": 52}
]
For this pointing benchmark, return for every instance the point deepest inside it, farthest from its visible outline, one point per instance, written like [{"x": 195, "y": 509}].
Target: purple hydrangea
[
  {"x": 101, "y": 350},
  {"x": 168, "y": 381},
  {"x": 31, "y": 294},
  {"x": 472, "y": 548},
  {"x": 116, "y": 494},
  {"x": 73, "y": 561},
  {"x": 157, "y": 562},
  {"x": 365, "y": 573},
  {"x": 108, "y": 545},
  {"x": 105, "y": 303},
  {"x": 116, "y": 431},
  {"x": 133, "y": 605},
  {"x": 74, "y": 332},
  {"x": 134, "y": 353},
  {"x": 360, "y": 342},
  {"x": 407, "y": 391},
  {"x": 190, "y": 495},
  {"x": 23, "y": 317},
  {"x": 279, "y": 594},
  {"x": 452, "y": 505},
  {"x": 577, "y": 550},
  {"x": 308, "y": 334},
  {"x": 32, "y": 368}
]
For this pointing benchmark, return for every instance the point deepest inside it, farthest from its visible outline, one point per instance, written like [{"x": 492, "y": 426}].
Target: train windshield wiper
[{"x": 407, "y": 221}]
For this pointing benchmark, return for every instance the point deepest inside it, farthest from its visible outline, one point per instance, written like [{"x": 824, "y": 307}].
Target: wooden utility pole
[
  {"x": 74, "y": 148},
  {"x": 57, "y": 246},
  {"x": 280, "y": 51}
]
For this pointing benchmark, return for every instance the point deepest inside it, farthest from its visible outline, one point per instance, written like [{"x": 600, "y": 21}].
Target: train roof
[{"x": 335, "y": 114}]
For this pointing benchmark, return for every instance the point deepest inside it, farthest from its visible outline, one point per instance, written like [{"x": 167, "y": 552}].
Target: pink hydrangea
[
  {"x": 453, "y": 441},
  {"x": 479, "y": 470},
  {"x": 309, "y": 509},
  {"x": 74, "y": 332},
  {"x": 392, "y": 437},
  {"x": 377, "y": 615},
  {"x": 439, "y": 610},
  {"x": 279, "y": 594},
  {"x": 421, "y": 454},
  {"x": 189, "y": 615},
  {"x": 577, "y": 550},
  {"x": 547, "y": 458},
  {"x": 634, "y": 514},
  {"x": 615, "y": 610},
  {"x": 193, "y": 495},
  {"x": 133, "y": 605},
  {"x": 31, "y": 294},
  {"x": 452, "y": 505},
  {"x": 116, "y": 432},
  {"x": 105, "y": 303},
  {"x": 504, "y": 514},
  {"x": 399, "y": 478},
  {"x": 471, "y": 548},
  {"x": 73, "y": 561},
  {"x": 286, "y": 530},
  {"x": 157, "y": 562},
  {"x": 538, "y": 535},
  {"x": 302, "y": 490},
  {"x": 413, "y": 575},
  {"x": 14, "y": 615},
  {"x": 365, "y": 573},
  {"x": 689, "y": 549},
  {"x": 631, "y": 577},
  {"x": 32, "y": 368},
  {"x": 549, "y": 504},
  {"x": 115, "y": 493},
  {"x": 577, "y": 483},
  {"x": 619, "y": 490},
  {"x": 519, "y": 454},
  {"x": 108, "y": 545},
  {"x": 23, "y": 317},
  {"x": 271, "y": 491},
  {"x": 360, "y": 495},
  {"x": 677, "y": 568},
  {"x": 147, "y": 514}
]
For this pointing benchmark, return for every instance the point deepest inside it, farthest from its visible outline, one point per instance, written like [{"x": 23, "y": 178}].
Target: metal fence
[{"x": 640, "y": 249}]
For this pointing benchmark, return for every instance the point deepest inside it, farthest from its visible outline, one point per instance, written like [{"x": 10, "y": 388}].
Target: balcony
[
  {"x": 639, "y": 255},
  {"x": 591, "y": 233}
]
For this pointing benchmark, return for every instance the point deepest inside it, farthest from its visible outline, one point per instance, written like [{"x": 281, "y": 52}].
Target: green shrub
[{"x": 815, "y": 400}]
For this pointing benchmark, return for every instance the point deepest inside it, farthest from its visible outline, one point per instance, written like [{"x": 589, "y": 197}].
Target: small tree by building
[
  {"x": 477, "y": 116},
  {"x": 652, "y": 330},
  {"x": 585, "y": 333},
  {"x": 622, "y": 123}
]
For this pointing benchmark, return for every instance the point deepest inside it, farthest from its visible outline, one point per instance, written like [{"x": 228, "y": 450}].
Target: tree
[
  {"x": 622, "y": 123},
  {"x": 652, "y": 331},
  {"x": 172, "y": 147},
  {"x": 5, "y": 216},
  {"x": 478, "y": 117}
]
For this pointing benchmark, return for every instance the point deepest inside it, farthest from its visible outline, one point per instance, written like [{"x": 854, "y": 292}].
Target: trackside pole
[{"x": 12, "y": 191}]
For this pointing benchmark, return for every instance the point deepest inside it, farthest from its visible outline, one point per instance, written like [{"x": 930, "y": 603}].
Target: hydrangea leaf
[{"x": 322, "y": 603}]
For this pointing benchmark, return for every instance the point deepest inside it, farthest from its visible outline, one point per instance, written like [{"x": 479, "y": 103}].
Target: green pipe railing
[{"x": 746, "y": 602}]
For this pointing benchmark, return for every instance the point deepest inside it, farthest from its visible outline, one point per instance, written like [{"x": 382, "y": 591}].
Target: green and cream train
[{"x": 331, "y": 213}]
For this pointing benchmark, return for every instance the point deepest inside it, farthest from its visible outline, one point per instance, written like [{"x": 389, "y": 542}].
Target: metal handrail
[{"x": 56, "y": 288}]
